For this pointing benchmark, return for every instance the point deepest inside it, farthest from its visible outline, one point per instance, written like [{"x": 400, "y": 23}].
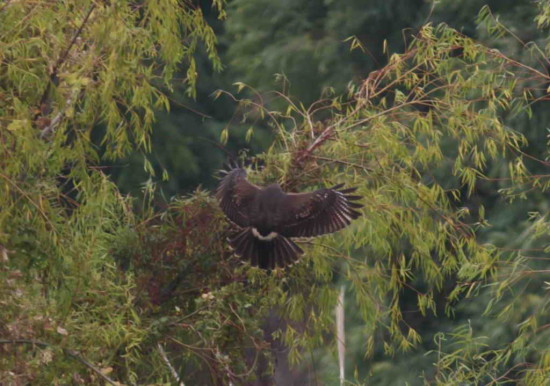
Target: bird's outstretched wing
[
  {"x": 235, "y": 195},
  {"x": 319, "y": 212}
]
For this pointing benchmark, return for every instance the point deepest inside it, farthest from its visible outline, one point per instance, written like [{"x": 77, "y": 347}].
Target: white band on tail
[{"x": 269, "y": 237}]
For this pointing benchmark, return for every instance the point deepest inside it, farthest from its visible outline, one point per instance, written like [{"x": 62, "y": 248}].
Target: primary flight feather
[{"x": 269, "y": 217}]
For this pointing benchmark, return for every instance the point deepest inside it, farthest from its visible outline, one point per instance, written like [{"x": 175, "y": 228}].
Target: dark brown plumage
[{"x": 269, "y": 217}]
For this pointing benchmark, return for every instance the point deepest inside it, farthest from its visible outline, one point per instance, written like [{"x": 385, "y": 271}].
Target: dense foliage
[{"x": 445, "y": 274}]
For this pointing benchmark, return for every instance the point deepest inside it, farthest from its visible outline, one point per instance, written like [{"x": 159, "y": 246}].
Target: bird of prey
[{"x": 269, "y": 217}]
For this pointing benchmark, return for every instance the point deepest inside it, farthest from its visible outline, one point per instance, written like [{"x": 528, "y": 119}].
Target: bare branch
[
  {"x": 61, "y": 60},
  {"x": 341, "y": 335},
  {"x": 55, "y": 121},
  {"x": 169, "y": 364}
]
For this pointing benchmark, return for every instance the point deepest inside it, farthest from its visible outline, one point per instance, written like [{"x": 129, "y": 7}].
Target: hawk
[{"x": 269, "y": 218}]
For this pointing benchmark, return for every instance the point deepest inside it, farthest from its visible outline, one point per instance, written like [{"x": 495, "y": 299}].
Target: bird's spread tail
[{"x": 266, "y": 254}]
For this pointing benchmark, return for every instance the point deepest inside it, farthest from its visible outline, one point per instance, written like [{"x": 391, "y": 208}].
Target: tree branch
[
  {"x": 55, "y": 122},
  {"x": 169, "y": 364},
  {"x": 341, "y": 334},
  {"x": 61, "y": 60}
]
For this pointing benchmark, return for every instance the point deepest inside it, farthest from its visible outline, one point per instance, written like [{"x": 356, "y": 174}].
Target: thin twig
[
  {"x": 177, "y": 103},
  {"x": 68, "y": 352},
  {"x": 169, "y": 364},
  {"x": 339, "y": 161}
]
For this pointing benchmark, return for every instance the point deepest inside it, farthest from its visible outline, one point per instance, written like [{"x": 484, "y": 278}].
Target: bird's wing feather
[
  {"x": 235, "y": 195},
  {"x": 319, "y": 212}
]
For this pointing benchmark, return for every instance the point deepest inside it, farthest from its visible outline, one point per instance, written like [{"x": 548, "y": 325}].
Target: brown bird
[{"x": 269, "y": 217}]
